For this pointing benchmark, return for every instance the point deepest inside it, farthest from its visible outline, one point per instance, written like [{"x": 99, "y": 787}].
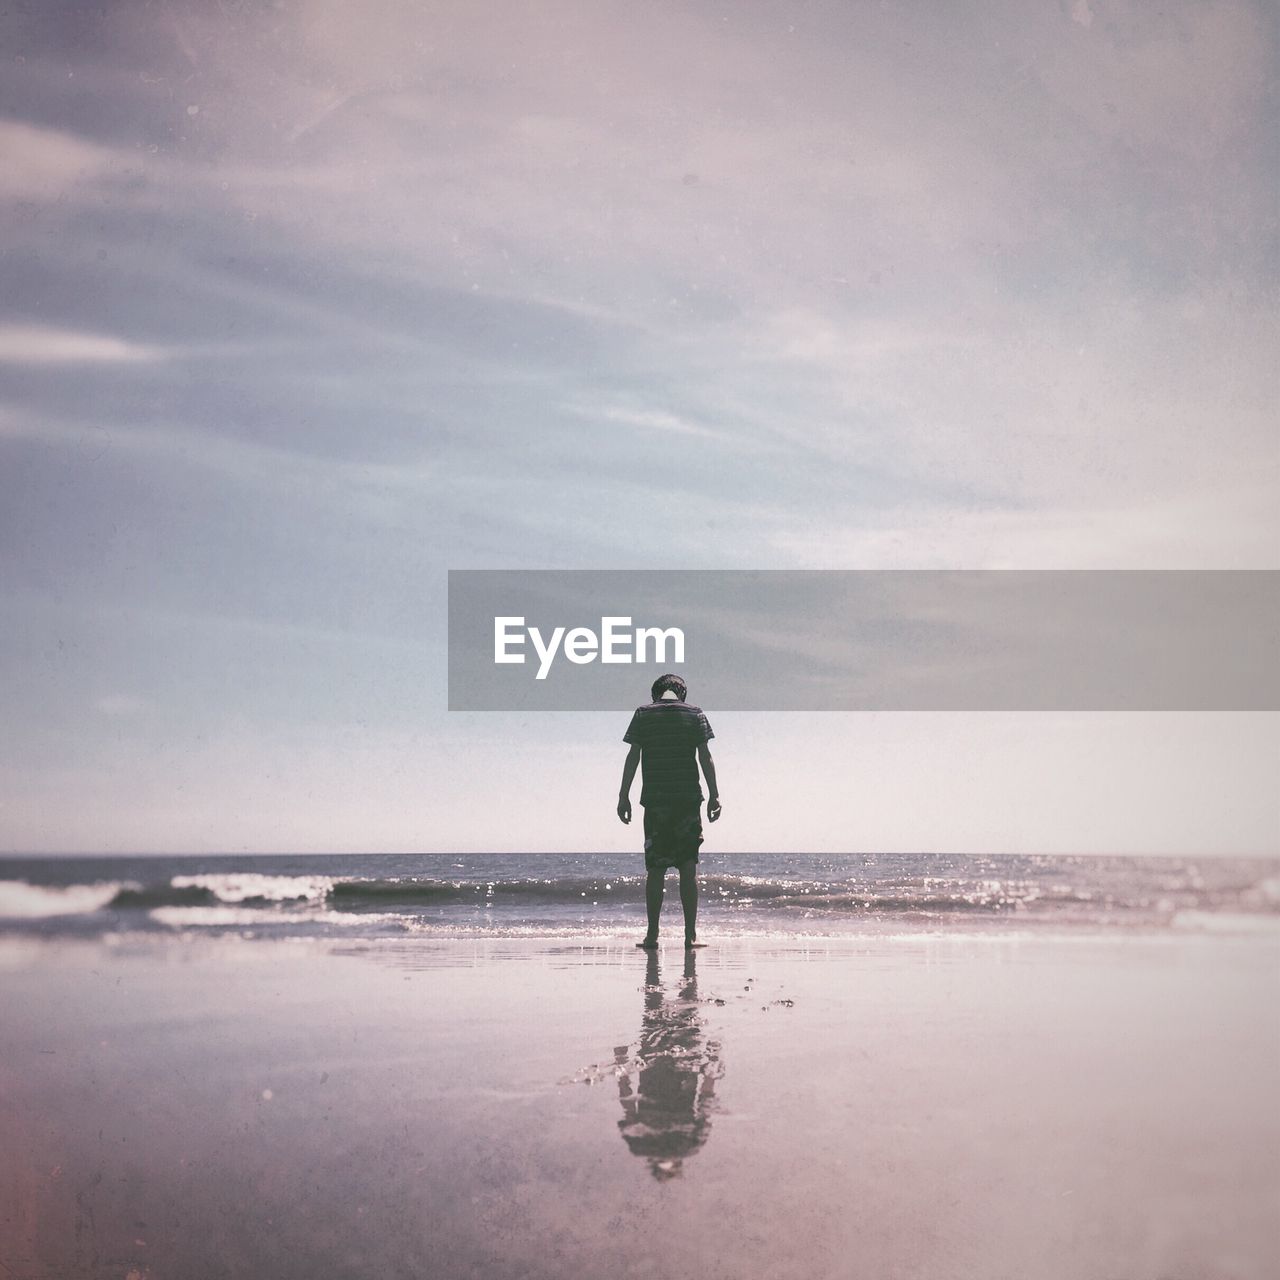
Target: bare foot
[
  {"x": 690, "y": 943},
  {"x": 649, "y": 944}
]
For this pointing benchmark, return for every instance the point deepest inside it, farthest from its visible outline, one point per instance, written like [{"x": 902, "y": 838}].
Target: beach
[
  {"x": 968, "y": 1103},
  {"x": 458, "y": 460}
]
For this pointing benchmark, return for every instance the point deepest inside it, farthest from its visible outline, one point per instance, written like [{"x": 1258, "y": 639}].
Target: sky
[{"x": 303, "y": 304}]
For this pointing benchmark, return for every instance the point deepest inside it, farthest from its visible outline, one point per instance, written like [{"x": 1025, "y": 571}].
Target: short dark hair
[{"x": 672, "y": 682}]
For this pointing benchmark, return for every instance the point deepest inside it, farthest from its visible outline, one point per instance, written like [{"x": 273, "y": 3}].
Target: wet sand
[{"x": 961, "y": 1106}]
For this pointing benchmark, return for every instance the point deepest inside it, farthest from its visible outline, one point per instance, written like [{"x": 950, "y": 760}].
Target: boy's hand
[
  {"x": 713, "y": 808},
  {"x": 624, "y": 808}
]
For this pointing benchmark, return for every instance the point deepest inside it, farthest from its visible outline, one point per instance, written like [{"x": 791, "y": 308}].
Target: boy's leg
[
  {"x": 689, "y": 899},
  {"x": 653, "y": 888},
  {"x": 653, "y": 880}
]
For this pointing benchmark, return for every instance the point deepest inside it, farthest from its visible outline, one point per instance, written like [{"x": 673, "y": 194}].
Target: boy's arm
[
  {"x": 628, "y": 774},
  {"x": 709, "y": 772}
]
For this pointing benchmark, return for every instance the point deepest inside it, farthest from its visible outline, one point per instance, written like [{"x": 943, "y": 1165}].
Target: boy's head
[{"x": 669, "y": 683}]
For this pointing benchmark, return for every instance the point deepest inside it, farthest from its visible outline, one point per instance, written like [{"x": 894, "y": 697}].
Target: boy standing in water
[{"x": 670, "y": 737}]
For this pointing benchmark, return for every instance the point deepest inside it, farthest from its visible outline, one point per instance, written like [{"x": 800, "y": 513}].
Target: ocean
[
  {"x": 602, "y": 895},
  {"x": 460, "y": 1066}
]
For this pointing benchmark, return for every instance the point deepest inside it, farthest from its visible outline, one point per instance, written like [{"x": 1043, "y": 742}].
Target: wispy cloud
[
  {"x": 44, "y": 164},
  {"x": 1187, "y": 530},
  {"x": 120, "y": 704},
  {"x": 658, "y": 421},
  {"x": 258, "y": 465},
  {"x": 36, "y": 344}
]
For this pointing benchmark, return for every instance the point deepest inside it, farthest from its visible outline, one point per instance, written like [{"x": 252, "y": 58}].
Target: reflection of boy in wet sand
[
  {"x": 670, "y": 738},
  {"x": 667, "y": 1087}
]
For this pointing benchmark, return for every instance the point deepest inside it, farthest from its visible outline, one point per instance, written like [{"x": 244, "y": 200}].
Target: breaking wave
[
  {"x": 785, "y": 892},
  {"x": 22, "y": 901}
]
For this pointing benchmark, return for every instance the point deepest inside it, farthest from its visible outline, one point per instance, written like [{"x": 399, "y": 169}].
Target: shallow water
[
  {"x": 1053, "y": 1104},
  {"x": 601, "y": 895}
]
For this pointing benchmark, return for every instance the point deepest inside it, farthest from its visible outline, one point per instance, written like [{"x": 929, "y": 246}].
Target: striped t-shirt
[{"x": 668, "y": 733}]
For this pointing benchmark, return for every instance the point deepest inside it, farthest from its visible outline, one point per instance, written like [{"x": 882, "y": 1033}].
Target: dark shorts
[{"x": 672, "y": 834}]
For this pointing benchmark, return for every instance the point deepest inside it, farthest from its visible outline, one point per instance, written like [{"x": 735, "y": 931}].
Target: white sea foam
[
  {"x": 22, "y": 901},
  {"x": 1270, "y": 889},
  {"x": 247, "y": 886},
  {"x": 1225, "y": 922},
  {"x": 231, "y": 917}
]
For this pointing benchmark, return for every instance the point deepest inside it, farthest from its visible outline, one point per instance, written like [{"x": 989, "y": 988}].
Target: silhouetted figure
[
  {"x": 669, "y": 739},
  {"x": 667, "y": 1086}
]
